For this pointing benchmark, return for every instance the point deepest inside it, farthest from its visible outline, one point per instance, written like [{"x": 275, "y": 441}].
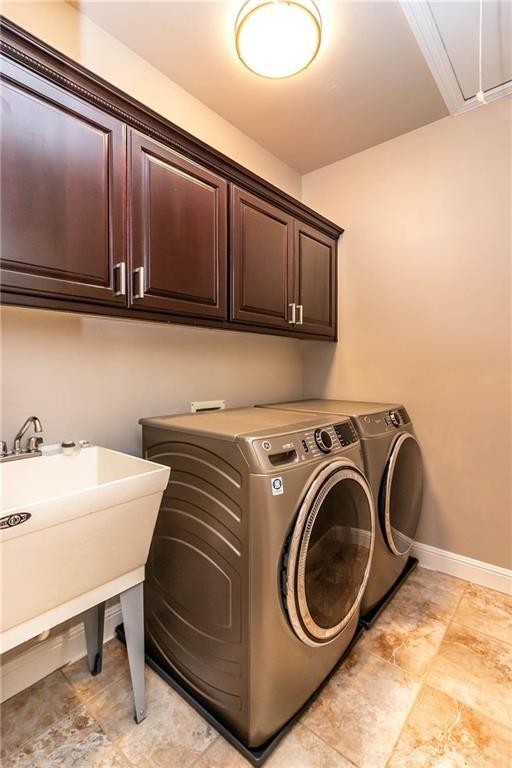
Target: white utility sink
[{"x": 74, "y": 531}]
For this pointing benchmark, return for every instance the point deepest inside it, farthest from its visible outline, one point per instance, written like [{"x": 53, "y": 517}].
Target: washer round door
[
  {"x": 327, "y": 561},
  {"x": 401, "y": 494}
]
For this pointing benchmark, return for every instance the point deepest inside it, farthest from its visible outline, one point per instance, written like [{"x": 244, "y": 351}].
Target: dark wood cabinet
[
  {"x": 283, "y": 270},
  {"x": 108, "y": 208},
  {"x": 178, "y": 232},
  {"x": 62, "y": 180},
  {"x": 315, "y": 280},
  {"x": 262, "y": 261}
]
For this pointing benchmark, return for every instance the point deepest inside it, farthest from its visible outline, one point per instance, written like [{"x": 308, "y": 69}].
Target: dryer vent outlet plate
[{"x": 199, "y": 406}]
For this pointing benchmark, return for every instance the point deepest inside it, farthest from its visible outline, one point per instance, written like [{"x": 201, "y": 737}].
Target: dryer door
[
  {"x": 401, "y": 494},
  {"x": 327, "y": 560}
]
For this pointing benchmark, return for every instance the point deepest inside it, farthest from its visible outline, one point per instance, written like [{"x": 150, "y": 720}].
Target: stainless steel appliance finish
[
  {"x": 394, "y": 468},
  {"x": 259, "y": 560}
]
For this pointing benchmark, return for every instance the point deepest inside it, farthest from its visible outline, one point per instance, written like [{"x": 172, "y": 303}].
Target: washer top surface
[
  {"x": 335, "y": 407},
  {"x": 244, "y": 423}
]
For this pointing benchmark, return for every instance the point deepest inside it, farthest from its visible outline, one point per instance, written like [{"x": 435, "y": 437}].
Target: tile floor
[{"x": 430, "y": 686}]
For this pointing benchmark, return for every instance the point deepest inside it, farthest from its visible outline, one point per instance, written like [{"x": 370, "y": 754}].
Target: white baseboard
[
  {"x": 484, "y": 574},
  {"x": 40, "y": 660}
]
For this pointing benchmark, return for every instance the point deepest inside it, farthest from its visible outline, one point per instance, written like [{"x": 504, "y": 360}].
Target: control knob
[
  {"x": 394, "y": 417},
  {"x": 323, "y": 440}
]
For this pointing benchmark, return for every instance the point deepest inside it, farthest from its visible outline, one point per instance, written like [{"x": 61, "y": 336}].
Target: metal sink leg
[
  {"x": 94, "y": 621},
  {"x": 132, "y": 606}
]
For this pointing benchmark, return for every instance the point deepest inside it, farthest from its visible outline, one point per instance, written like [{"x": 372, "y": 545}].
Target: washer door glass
[
  {"x": 329, "y": 554},
  {"x": 401, "y": 494}
]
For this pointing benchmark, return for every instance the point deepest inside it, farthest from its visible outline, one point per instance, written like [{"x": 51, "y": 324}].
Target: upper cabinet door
[
  {"x": 62, "y": 179},
  {"x": 315, "y": 275},
  {"x": 178, "y": 217},
  {"x": 262, "y": 261}
]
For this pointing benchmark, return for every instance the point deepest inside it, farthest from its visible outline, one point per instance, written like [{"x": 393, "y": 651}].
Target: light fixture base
[{"x": 278, "y": 38}]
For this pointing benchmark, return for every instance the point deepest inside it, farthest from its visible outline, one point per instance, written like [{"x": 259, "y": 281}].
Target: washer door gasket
[
  {"x": 401, "y": 494},
  {"x": 329, "y": 553}
]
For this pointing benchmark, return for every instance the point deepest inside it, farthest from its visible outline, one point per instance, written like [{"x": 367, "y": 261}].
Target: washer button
[{"x": 267, "y": 445}]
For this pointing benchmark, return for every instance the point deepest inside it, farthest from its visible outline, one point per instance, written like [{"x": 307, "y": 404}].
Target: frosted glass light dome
[{"x": 278, "y": 38}]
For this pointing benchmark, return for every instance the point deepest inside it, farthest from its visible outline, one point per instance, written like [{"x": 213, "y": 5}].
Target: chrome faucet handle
[
  {"x": 33, "y": 444},
  {"x": 3, "y": 448},
  {"x": 37, "y": 428}
]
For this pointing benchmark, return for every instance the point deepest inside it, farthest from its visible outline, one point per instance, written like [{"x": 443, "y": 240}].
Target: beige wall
[
  {"x": 425, "y": 311},
  {"x": 62, "y": 367},
  {"x": 88, "y": 377}
]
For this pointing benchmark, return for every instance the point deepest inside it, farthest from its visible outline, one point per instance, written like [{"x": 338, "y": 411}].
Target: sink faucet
[{"x": 34, "y": 442}]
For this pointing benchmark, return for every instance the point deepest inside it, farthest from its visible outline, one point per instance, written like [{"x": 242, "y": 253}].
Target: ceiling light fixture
[{"x": 278, "y": 38}]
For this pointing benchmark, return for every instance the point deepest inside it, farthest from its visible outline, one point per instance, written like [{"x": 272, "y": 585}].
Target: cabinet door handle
[
  {"x": 138, "y": 274},
  {"x": 293, "y": 307},
  {"x": 300, "y": 307},
  {"x": 121, "y": 266}
]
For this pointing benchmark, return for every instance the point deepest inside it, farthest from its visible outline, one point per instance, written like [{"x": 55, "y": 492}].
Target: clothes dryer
[{"x": 394, "y": 467}]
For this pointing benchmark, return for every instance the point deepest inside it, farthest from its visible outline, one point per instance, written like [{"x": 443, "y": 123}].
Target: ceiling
[
  {"x": 384, "y": 68},
  {"x": 369, "y": 84}
]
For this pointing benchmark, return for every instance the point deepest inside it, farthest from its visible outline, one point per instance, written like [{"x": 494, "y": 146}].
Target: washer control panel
[
  {"x": 283, "y": 450},
  {"x": 346, "y": 433},
  {"x": 323, "y": 440}
]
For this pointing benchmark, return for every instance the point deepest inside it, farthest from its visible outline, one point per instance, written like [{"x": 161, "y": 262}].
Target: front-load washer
[
  {"x": 394, "y": 468},
  {"x": 259, "y": 560}
]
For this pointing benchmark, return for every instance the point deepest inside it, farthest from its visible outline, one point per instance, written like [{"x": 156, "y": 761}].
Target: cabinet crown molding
[{"x": 20, "y": 46}]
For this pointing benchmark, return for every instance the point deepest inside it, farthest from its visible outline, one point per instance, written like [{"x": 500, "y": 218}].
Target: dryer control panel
[
  {"x": 312, "y": 444},
  {"x": 373, "y": 424}
]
